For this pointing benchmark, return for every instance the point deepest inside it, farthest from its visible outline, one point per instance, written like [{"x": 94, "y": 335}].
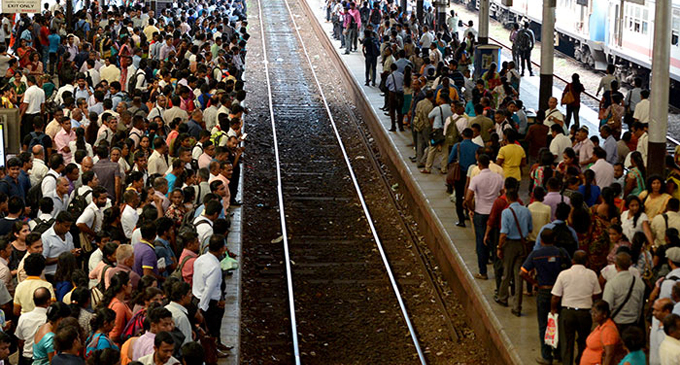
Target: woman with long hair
[
  {"x": 590, "y": 191},
  {"x": 80, "y": 143},
  {"x": 102, "y": 323},
  {"x": 672, "y": 176},
  {"x": 568, "y": 160},
  {"x": 491, "y": 77},
  {"x": 617, "y": 239},
  {"x": 92, "y": 129},
  {"x": 575, "y": 88},
  {"x": 543, "y": 170},
  {"x": 655, "y": 197},
  {"x": 635, "y": 179},
  {"x": 43, "y": 347},
  {"x": 114, "y": 298},
  {"x": 597, "y": 244},
  {"x": 408, "y": 94},
  {"x": 80, "y": 307},
  {"x": 17, "y": 238},
  {"x": 66, "y": 265},
  {"x": 145, "y": 145},
  {"x": 579, "y": 217}
]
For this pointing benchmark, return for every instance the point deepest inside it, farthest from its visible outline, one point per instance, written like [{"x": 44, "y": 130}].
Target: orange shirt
[
  {"x": 123, "y": 315},
  {"x": 603, "y": 335}
]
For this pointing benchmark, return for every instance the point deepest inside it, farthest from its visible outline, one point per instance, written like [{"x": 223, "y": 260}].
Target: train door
[{"x": 615, "y": 27}]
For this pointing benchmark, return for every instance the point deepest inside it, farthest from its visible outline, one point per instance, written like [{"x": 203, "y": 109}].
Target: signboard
[
  {"x": 21, "y": 6},
  {"x": 2, "y": 145}
]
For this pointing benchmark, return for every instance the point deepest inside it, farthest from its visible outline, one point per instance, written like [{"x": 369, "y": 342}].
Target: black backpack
[
  {"x": 564, "y": 238},
  {"x": 42, "y": 225},
  {"x": 524, "y": 40},
  {"x": 77, "y": 206},
  {"x": 375, "y": 16},
  {"x": 132, "y": 83},
  {"x": 35, "y": 194},
  {"x": 364, "y": 13},
  {"x": 37, "y": 139}
]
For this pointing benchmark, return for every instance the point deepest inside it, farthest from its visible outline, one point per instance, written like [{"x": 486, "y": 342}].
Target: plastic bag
[{"x": 551, "y": 332}]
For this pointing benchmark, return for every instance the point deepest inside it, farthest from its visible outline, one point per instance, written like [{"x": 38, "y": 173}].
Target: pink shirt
[
  {"x": 61, "y": 140},
  {"x": 204, "y": 161},
  {"x": 188, "y": 268},
  {"x": 227, "y": 198},
  {"x": 486, "y": 186}
]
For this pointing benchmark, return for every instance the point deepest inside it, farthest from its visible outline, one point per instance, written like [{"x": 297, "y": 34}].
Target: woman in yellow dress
[{"x": 655, "y": 197}]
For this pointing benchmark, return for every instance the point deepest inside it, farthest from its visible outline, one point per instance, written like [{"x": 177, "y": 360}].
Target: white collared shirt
[
  {"x": 604, "y": 173},
  {"x": 207, "y": 280},
  {"x": 181, "y": 319},
  {"x": 60, "y": 202},
  {"x": 92, "y": 217},
  {"x": 204, "y": 230},
  {"x": 53, "y": 246},
  {"x": 667, "y": 285},
  {"x": 38, "y": 171},
  {"x": 129, "y": 220},
  {"x": 558, "y": 145},
  {"x": 669, "y": 351},
  {"x": 28, "y": 326},
  {"x": 656, "y": 337},
  {"x": 577, "y": 286}
]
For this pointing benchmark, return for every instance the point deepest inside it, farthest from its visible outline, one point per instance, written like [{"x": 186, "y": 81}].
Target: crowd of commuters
[
  {"x": 114, "y": 214},
  {"x": 596, "y": 239}
]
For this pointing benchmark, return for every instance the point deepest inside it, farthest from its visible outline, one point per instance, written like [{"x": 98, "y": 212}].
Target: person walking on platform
[
  {"x": 516, "y": 223},
  {"x": 572, "y": 296},
  {"x": 525, "y": 43},
  {"x": 395, "y": 88},
  {"x": 513, "y": 38},
  {"x": 371, "y": 51},
  {"x": 548, "y": 261},
  {"x": 484, "y": 189},
  {"x": 351, "y": 24}
]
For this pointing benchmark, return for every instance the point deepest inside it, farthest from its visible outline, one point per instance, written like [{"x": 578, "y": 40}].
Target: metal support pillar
[
  {"x": 403, "y": 6},
  {"x": 547, "y": 54},
  {"x": 658, "y": 116},
  {"x": 440, "y": 6},
  {"x": 483, "y": 37},
  {"x": 419, "y": 11}
]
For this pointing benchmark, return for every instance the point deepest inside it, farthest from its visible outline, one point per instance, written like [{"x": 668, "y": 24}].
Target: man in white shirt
[
  {"x": 604, "y": 171},
  {"x": 49, "y": 182},
  {"x": 180, "y": 296},
  {"x": 584, "y": 147},
  {"x": 57, "y": 240},
  {"x": 204, "y": 222},
  {"x": 669, "y": 219},
  {"x": 32, "y": 105},
  {"x": 643, "y": 139},
  {"x": 129, "y": 218},
  {"x": 30, "y": 322},
  {"x": 642, "y": 108},
  {"x": 559, "y": 143},
  {"x": 661, "y": 308},
  {"x": 669, "y": 350},
  {"x": 60, "y": 196},
  {"x": 39, "y": 169},
  {"x": 609, "y": 144},
  {"x": 90, "y": 221},
  {"x": 206, "y": 285},
  {"x": 574, "y": 291},
  {"x": 606, "y": 80},
  {"x": 158, "y": 163},
  {"x": 426, "y": 39},
  {"x": 553, "y": 115}
]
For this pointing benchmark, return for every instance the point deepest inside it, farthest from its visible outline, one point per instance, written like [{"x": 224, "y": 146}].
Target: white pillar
[
  {"x": 547, "y": 53},
  {"x": 658, "y": 116},
  {"x": 483, "y": 22}
]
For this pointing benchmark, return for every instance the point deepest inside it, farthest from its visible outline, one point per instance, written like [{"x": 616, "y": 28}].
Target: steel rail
[
  {"x": 360, "y": 195},
  {"x": 279, "y": 188}
]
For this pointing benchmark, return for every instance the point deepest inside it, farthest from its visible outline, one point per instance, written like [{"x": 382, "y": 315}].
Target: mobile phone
[{"x": 243, "y": 137}]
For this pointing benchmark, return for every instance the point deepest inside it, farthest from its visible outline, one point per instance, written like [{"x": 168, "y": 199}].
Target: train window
[{"x": 675, "y": 33}]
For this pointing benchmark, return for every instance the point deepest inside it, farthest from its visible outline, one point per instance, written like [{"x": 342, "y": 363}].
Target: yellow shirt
[
  {"x": 512, "y": 156},
  {"x": 23, "y": 295}
]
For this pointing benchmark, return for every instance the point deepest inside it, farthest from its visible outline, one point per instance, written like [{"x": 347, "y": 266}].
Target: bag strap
[
  {"x": 517, "y": 223},
  {"x": 665, "y": 218},
  {"x": 181, "y": 264},
  {"x": 630, "y": 291}
]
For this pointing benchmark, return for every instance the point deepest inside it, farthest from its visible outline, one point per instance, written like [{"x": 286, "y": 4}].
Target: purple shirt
[
  {"x": 486, "y": 186},
  {"x": 145, "y": 258},
  {"x": 143, "y": 346},
  {"x": 552, "y": 199}
]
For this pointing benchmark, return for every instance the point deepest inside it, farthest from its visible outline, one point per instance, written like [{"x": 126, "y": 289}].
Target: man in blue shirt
[
  {"x": 395, "y": 87},
  {"x": 548, "y": 261},
  {"x": 194, "y": 124},
  {"x": 516, "y": 223},
  {"x": 55, "y": 41},
  {"x": 465, "y": 153},
  {"x": 164, "y": 227},
  {"x": 10, "y": 185},
  {"x": 565, "y": 236}
]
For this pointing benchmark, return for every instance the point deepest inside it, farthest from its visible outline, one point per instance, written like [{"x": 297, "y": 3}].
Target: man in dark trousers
[
  {"x": 548, "y": 261},
  {"x": 371, "y": 51},
  {"x": 525, "y": 43}
]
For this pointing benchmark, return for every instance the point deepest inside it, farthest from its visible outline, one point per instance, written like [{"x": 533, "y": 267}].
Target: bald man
[
  {"x": 39, "y": 169},
  {"x": 660, "y": 309},
  {"x": 60, "y": 196}
]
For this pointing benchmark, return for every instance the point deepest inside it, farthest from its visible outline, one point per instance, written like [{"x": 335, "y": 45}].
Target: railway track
[{"x": 343, "y": 297}]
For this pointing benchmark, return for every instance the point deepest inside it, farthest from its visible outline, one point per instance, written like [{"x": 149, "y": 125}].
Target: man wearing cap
[
  {"x": 673, "y": 256},
  {"x": 584, "y": 147}
]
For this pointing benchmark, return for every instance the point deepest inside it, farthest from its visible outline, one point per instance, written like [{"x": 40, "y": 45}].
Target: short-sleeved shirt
[
  {"x": 145, "y": 258},
  {"x": 23, "y": 294},
  {"x": 163, "y": 249},
  {"x": 53, "y": 246},
  {"x": 107, "y": 171},
  {"x": 516, "y": 229},
  {"x": 576, "y": 286},
  {"x": 512, "y": 156},
  {"x": 34, "y": 97},
  {"x": 603, "y": 335},
  {"x": 486, "y": 186},
  {"x": 548, "y": 261}
]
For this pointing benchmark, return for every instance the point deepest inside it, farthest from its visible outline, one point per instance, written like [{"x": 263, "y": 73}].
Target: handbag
[
  {"x": 568, "y": 97},
  {"x": 526, "y": 245},
  {"x": 437, "y": 135},
  {"x": 454, "y": 169}
]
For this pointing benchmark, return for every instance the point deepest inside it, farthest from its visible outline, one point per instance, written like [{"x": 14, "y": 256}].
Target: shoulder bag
[
  {"x": 437, "y": 135},
  {"x": 455, "y": 171}
]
